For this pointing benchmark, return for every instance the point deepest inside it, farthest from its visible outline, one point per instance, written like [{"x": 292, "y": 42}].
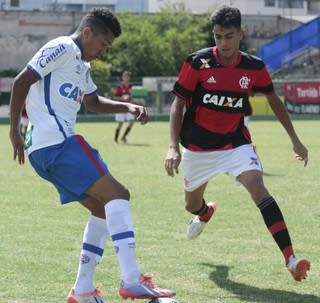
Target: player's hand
[
  {"x": 18, "y": 146},
  {"x": 301, "y": 152},
  {"x": 172, "y": 161},
  {"x": 140, "y": 112}
]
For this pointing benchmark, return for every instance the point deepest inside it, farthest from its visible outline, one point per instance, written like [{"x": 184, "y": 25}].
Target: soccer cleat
[
  {"x": 298, "y": 268},
  {"x": 198, "y": 223},
  {"x": 124, "y": 140},
  {"x": 90, "y": 297},
  {"x": 144, "y": 289}
]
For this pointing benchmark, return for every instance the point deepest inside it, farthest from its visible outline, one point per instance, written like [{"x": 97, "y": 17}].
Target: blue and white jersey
[{"x": 53, "y": 101}]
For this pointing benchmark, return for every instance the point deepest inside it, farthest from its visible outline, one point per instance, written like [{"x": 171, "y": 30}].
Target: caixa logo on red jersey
[
  {"x": 71, "y": 92},
  {"x": 51, "y": 54},
  {"x": 225, "y": 101}
]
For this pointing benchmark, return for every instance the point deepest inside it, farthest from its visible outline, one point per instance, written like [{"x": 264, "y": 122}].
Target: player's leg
[
  {"x": 61, "y": 165},
  {"x": 94, "y": 241},
  {"x": 128, "y": 129},
  {"x": 78, "y": 171},
  {"x": 119, "y": 119},
  {"x": 120, "y": 225},
  {"x": 253, "y": 181},
  {"x": 203, "y": 211},
  {"x": 194, "y": 200},
  {"x": 198, "y": 169}
]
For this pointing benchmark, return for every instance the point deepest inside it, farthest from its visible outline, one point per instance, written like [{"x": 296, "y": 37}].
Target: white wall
[{"x": 23, "y": 33}]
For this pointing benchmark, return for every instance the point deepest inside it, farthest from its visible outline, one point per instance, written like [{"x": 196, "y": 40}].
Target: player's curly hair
[
  {"x": 101, "y": 20},
  {"x": 226, "y": 16}
]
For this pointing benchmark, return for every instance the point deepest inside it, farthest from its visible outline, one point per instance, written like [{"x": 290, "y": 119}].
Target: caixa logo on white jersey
[
  {"x": 72, "y": 92},
  {"x": 234, "y": 102},
  {"x": 51, "y": 54}
]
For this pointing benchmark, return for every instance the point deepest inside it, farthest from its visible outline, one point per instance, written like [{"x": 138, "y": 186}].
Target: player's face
[
  {"x": 227, "y": 41},
  {"x": 95, "y": 45},
  {"x": 126, "y": 78}
]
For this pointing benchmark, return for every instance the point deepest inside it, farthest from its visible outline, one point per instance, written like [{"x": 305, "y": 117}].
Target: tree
[
  {"x": 157, "y": 44},
  {"x": 100, "y": 72}
]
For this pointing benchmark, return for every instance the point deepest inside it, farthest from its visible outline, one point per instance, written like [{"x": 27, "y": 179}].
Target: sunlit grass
[{"x": 235, "y": 259}]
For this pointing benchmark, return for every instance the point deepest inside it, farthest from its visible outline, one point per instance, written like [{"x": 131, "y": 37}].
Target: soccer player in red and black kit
[
  {"x": 123, "y": 94},
  {"x": 207, "y": 118}
]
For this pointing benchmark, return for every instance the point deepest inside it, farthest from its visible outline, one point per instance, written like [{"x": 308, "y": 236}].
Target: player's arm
[
  {"x": 20, "y": 89},
  {"x": 121, "y": 99},
  {"x": 99, "y": 104},
  {"x": 173, "y": 157},
  {"x": 280, "y": 111}
]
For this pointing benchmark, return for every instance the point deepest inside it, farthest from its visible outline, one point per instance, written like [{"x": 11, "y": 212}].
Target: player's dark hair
[
  {"x": 101, "y": 20},
  {"x": 227, "y": 17}
]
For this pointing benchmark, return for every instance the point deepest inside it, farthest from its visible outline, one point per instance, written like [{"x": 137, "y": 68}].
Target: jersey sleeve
[
  {"x": 264, "y": 82},
  {"x": 187, "y": 80},
  {"x": 49, "y": 57}
]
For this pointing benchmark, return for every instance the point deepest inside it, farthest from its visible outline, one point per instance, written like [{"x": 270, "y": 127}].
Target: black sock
[
  {"x": 202, "y": 210},
  {"x": 275, "y": 223}
]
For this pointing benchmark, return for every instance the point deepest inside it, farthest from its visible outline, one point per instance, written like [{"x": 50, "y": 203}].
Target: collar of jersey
[{"x": 77, "y": 42}]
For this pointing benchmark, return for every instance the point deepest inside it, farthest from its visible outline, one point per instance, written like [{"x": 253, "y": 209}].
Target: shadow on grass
[
  {"x": 250, "y": 293},
  {"x": 272, "y": 175},
  {"x": 135, "y": 144}
]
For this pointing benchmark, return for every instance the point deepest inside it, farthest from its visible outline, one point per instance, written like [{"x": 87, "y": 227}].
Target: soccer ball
[{"x": 163, "y": 300}]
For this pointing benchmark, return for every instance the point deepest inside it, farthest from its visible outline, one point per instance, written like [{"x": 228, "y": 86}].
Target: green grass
[{"x": 235, "y": 260}]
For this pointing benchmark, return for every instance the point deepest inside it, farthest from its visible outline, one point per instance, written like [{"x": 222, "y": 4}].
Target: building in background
[
  {"x": 27, "y": 24},
  {"x": 136, "y": 6},
  {"x": 248, "y": 7}
]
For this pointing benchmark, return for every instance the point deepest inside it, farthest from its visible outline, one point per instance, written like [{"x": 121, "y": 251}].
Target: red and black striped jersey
[
  {"x": 217, "y": 98},
  {"x": 123, "y": 92}
]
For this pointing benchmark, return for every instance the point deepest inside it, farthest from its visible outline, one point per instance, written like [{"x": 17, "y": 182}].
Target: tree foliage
[
  {"x": 156, "y": 45},
  {"x": 100, "y": 71}
]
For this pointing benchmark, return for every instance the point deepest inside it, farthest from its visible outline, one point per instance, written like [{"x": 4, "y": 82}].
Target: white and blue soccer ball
[{"x": 163, "y": 300}]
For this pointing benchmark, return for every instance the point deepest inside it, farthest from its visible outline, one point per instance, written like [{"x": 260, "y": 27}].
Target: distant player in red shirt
[
  {"x": 123, "y": 94},
  {"x": 207, "y": 118}
]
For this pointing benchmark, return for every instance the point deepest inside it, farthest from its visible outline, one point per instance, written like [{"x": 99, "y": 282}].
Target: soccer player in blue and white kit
[{"x": 54, "y": 84}]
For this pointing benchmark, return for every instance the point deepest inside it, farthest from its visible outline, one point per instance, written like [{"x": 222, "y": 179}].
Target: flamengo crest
[{"x": 244, "y": 82}]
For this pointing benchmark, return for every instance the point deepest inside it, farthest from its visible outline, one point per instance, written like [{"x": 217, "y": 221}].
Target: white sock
[
  {"x": 120, "y": 226},
  {"x": 94, "y": 241}
]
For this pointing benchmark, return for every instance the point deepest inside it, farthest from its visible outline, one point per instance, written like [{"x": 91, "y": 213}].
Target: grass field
[{"x": 234, "y": 261}]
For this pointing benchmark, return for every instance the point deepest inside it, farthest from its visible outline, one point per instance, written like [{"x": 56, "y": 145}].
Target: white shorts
[
  {"x": 200, "y": 167},
  {"x": 122, "y": 117}
]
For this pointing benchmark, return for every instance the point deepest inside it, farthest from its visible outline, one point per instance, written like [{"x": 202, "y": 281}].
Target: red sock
[{"x": 207, "y": 215}]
